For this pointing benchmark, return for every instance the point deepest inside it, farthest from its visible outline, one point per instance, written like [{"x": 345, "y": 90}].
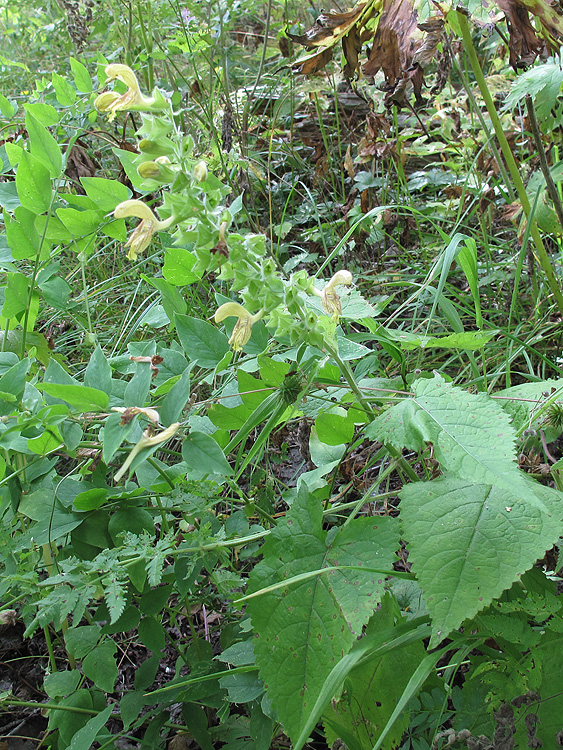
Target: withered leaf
[
  {"x": 328, "y": 28},
  {"x": 524, "y": 44},
  {"x": 404, "y": 44}
]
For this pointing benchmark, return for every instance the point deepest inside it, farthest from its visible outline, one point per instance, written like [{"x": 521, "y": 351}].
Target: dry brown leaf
[
  {"x": 349, "y": 163},
  {"x": 403, "y": 46},
  {"x": 328, "y": 28}
]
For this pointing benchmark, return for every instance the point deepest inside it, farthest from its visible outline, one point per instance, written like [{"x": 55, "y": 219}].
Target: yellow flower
[
  {"x": 147, "y": 441},
  {"x": 142, "y": 235},
  {"x": 112, "y": 102},
  {"x": 330, "y": 300},
  {"x": 243, "y": 326}
]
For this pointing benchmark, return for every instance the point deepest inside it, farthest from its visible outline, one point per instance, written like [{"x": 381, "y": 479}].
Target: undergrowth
[{"x": 280, "y": 380}]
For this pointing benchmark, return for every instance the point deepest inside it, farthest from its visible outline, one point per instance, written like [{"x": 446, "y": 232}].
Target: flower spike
[{"x": 243, "y": 327}]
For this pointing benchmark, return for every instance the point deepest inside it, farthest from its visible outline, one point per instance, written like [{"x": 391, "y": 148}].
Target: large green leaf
[
  {"x": 306, "y": 626},
  {"x": 373, "y": 689},
  {"x": 204, "y": 455},
  {"x": 520, "y": 400},
  {"x": 202, "y": 342},
  {"x": 474, "y": 532},
  {"x": 23, "y": 237},
  {"x": 79, "y": 397},
  {"x": 33, "y": 183},
  {"x": 469, "y": 542},
  {"x": 471, "y": 433},
  {"x": 43, "y": 146}
]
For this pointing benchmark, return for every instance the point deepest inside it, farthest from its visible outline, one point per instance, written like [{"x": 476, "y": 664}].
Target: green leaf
[
  {"x": 100, "y": 667},
  {"x": 23, "y": 237},
  {"x": 59, "y": 684},
  {"x": 46, "y": 114},
  {"x": 56, "y": 292},
  {"x": 33, "y": 183},
  {"x": 172, "y": 301},
  {"x": 175, "y": 400},
  {"x": 82, "y": 79},
  {"x": 66, "y": 95},
  {"x": 69, "y": 722},
  {"x": 468, "y": 542},
  {"x": 304, "y": 629},
  {"x": 134, "y": 520},
  {"x": 464, "y": 340},
  {"x": 151, "y": 634},
  {"x": 84, "y": 738},
  {"x": 130, "y": 162},
  {"x": 137, "y": 389},
  {"x": 334, "y": 427},
  {"x": 17, "y": 295},
  {"x": 7, "y": 108},
  {"x": 520, "y": 400},
  {"x": 202, "y": 343},
  {"x": 43, "y": 146},
  {"x": 9, "y": 196},
  {"x": 12, "y": 383},
  {"x": 473, "y": 533},
  {"x": 115, "y": 590},
  {"x": 373, "y": 689},
  {"x": 98, "y": 372},
  {"x": 79, "y": 641},
  {"x": 114, "y": 433},
  {"x": 47, "y": 442},
  {"x": 106, "y": 194},
  {"x": 178, "y": 264},
  {"x": 204, "y": 455},
  {"x": 80, "y": 223},
  {"x": 471, "y": 434},
  {"x": 79, "y": 397}
]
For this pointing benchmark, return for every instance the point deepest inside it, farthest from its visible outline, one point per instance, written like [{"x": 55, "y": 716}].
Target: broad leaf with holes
[{"x": 306, "y": 626}]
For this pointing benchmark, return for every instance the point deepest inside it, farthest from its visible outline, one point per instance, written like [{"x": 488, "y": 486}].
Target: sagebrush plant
[{"x": 131, "y": 492}]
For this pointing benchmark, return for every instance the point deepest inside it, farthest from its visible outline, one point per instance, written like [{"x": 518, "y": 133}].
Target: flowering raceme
[
  {"x": 243, "y": 327},
  {"x": 141, "y": 236},
  {"x": 132, "y": 99}
]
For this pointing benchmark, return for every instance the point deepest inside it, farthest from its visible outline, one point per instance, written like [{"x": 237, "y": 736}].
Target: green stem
[
  {"x": 541, "y": 253},
  {"x": 163, "y": 474},
  {"x": 52, "y": 660},
  {"x": 351, "y": 380},
  {"x": 85, "y": 288}
]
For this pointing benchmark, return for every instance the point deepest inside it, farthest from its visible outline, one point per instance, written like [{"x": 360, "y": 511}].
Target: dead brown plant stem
[{"x": 550, "y": 184}]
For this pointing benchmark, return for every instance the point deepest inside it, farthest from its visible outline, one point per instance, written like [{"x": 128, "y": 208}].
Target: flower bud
[{"x": 200, "y": 171}]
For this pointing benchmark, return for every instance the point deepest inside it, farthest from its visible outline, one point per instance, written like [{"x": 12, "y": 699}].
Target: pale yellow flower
[
  {"x": 147, "y": 441},
  {"x": 132, "y": 99},
  {"x": 330, "y": 300},
  {"x": 141, "y": 236},
  {"x": 243, "y": 327}
]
